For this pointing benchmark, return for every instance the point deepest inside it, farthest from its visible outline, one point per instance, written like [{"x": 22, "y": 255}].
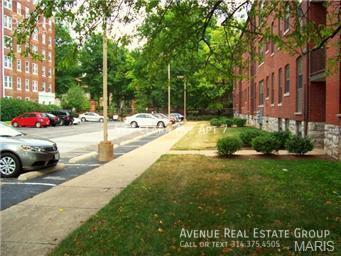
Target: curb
[{"x": 35, "y": 174}]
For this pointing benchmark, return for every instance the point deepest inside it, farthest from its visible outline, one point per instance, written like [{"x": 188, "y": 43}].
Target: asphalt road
[{"x": 14, "y": 191}]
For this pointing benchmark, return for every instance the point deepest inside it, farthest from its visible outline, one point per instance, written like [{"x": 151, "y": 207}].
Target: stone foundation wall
[
  {"x": 316, "y": 131},
  {"x": 332, "y": 141}
]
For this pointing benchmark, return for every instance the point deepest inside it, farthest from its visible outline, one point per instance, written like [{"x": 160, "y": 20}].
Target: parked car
[
  {"x": 146, "y": 120},
  {"x": 54, "y": 120},
  {"x": 21, "y": 152},
  {"x": 163, "y": 116},
  {"x": 31, "y": 119},
  {"x": 180, "y": 117},
  {"x": 91, "y": 116},
  {"x": 175, "y": 117},
  {"x": 64, "y": 116},
  {"x": 76, "y": 121}
]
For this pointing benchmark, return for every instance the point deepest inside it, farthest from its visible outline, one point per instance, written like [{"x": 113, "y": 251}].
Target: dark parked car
[
  {"x": 31, "y": 119},
  {"x": 21, "y": 152},
  {"x": 64, "y": 116},
  {"x": 54, "y": 120}
]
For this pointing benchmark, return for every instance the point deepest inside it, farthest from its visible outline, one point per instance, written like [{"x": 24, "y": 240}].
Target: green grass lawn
[
  {"x": 204, "y": 136},
  {"x": 198, "y": 192}
]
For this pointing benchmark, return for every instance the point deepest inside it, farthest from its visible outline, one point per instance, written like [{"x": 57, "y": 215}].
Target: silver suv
[{"x": 21, "y": 152}]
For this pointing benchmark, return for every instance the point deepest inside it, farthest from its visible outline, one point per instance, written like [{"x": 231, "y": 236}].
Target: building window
[
  {"x": 261, "y": 52},
  {"x": 50, "y": 88},
  {"x": 8, "y": 4},
  {"x": 267, "y": 87},
  {"x": 27, "y": 12},
  {"x": 43, "y": 37},
  {"x": 43, "y": 87},
  {"x": 272, "y": 42},
  {"x": 8, "y": 62},
  {"x": 35, "y": 68},
  {"x": 35, "y": 49},
  {"x": 299, "y": 85},
  {"x": 261, "y": 92},
  {"x": 18, "y": 48},
  {"x": 18, "y": 8},
  {"x": 35, "y": 34},
  {"x": 34, "y": 85},
  {"x": 272, "y": 88},
  {"x": 43, "y": 71},
  {"x": 8, "y": 82},
  {"x": 49, "y": 72},
  {"x": 27, "y": 67},
  {"x": 19, "y": 83},
  {"x": 280, "y": 85},
  {"x": 27, "y": 85},
  {"x": 279, "y": 26},
  {"x": 286, "y": 18},
  {"x": 19, "y": 97},
  {"x": 287, "y": 79},
  {"x": 287, "y": 124},
  {"x": 50, "y": 41},
  {"x": 18, "y": 65},
  {"x": 49, "y": 56},
  {"x": 8, "y": 42},
  {"x": 8, "y": 22},
  {"x": 43, "y": 53},
  {"x": 299, "y": 16}
]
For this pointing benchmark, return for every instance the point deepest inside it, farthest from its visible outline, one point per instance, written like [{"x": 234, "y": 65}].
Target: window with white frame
[
  {"x": 8, "y": 4},
  {"x": 50, "y": 88},
  {"x": 18, "y": 8},
  {"x": 8, "y": 62},
  {"x": 27, "y": 85},
  {"x": 18, "y": 48},
  {"x": 9, "y": 97},
  {"x": 43, "y": 71},
  {"x": 27, "y": 98},
  {"x": 8, "y": 82},
  {"x": 19, "y": 83},
  {"x": 49, "y": 72},
  {"x": 35, "y": 2},
  {"x": 8, "y": 22},
  {"x": 19, "y": 97},
  {"x": 27, "y": 12},
  {"x": 50, "y": 40},
  {"x": 8, "y": 42},
  {"x": 35, "y": 68},
  {"x": 43, "y": 87},
  {"x": 35, "y": 34},
  {"x": 50, "y": 22},
  {"x": 49, "y": 56},
  {"x": 43, "y": 53},
  {"x": 27, "y": 66},
  {"x": 44, "y": 22},
  {"x": 35, "y": 49},
  {"x": 35, "y": 85},
  {"x": 43, "y": 36},
  {"x": 19, "y": 65}
]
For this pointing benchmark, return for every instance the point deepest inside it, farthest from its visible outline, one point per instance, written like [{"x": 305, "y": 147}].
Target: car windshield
[{"x": 6, "y": 131}]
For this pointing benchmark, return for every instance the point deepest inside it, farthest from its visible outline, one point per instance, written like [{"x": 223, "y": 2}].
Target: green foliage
[
  {"x": 248, "y": 135},
  {"x": 299, "y": 145},
  {"x": 75, "y": 99},
  {"x": 11, "y": 108},
  {"x": 229, "y": 122},
  {"x": 218, "y": 121},
  {"x": 239, "y": 122},
  {"x": 282, "y": 137},
  {"x": 266, "y": 144},
  {"x": 228, "y": 146}
]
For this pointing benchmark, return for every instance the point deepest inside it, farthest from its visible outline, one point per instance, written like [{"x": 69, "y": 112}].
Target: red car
[{"x": 31, "y": 119}]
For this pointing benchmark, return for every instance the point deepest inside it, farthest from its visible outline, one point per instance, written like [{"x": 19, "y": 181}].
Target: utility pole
[
  {"x": 169, "y": 91},
  {"x": 105, "y": 147},
  {"x": 185, "y": 99}
]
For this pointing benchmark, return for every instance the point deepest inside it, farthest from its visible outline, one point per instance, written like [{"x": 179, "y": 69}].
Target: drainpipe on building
[{"x": 307, "y": 87}]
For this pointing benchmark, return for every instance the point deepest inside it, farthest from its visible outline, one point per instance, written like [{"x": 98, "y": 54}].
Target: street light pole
[
  {"x": 185, "y": 99},
  {"x": 105, "y": 147},
  {"x": 169, "y": 91}
]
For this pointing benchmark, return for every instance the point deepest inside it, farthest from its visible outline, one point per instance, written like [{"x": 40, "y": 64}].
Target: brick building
[
  {"x": 282, "y": 91},
  {"x": 24, "y": 77}
]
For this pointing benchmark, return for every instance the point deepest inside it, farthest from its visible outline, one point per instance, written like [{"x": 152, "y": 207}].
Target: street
[{"x": 74, "y": 141}]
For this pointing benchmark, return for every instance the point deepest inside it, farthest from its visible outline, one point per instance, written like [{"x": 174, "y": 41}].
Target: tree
[{"x": 75, "y": 99}]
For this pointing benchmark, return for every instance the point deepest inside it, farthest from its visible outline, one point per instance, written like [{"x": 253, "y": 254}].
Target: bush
[
  {"x": 299, "y": 145},
  {"x": 266, "y": 144},
  {"x": 247, "y": 136},
  {"x": 227, "y": 146},
  {"x": 11, "y": 108},
  {"x": 229, "y": 122},
  {"x": 282, "y": 137},
  {"x": 240, "y": 122},
  {"x": 217, "y": 122}
]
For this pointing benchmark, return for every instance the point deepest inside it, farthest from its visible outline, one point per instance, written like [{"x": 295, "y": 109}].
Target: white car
[
  {"x": 146, "y": 120},
  {"x": 76, "y": 121},
  {"x": 91, "y": 117}
]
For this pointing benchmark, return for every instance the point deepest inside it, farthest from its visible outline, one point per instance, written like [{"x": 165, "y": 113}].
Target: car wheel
[
  {"x": 134, "y": 124},
  {"x": 10, "y": 165},
  {"x": 15, "y": 124},
  {"x": 161, "y": 125},
  {"x": 101, "y": 120},
  {"x": 83, "y": 119},
  {"x": 38, "y": 125}
]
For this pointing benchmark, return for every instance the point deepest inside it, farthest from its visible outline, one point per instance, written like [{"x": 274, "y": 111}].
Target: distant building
[
  {"x": 280, "y": 91},
  {"x": 23, "y": 77}
]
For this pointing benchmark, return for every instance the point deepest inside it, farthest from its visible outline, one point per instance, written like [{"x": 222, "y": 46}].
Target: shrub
[
  {"x": 240, "y": 122},
  {"x": 282, "y": 137},
  {"x": 216, "y": 122},
  {"x": 228, "y": 145},
  {"x": 229, "y": 122},
  {"x": 11, "y": 108},
  {"x": 247, "y": 136},
  {"x": 266, "y": 144},
  {"x": 299, "y": 145}
]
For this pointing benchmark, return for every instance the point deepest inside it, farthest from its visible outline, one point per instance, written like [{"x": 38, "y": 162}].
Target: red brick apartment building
[
  {"x": 280, "y": 91},
  {"x": 23, "y": 77}
]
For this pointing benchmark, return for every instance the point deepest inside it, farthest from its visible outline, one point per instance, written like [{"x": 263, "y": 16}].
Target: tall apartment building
[
  {"x": 24, "y": 77},
  {"x": 279, "y": 91}
]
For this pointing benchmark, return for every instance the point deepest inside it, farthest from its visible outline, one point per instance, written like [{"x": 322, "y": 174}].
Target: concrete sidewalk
[{"x": 35, "y": 226}]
